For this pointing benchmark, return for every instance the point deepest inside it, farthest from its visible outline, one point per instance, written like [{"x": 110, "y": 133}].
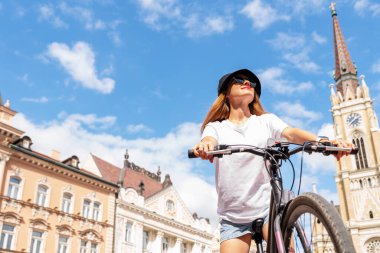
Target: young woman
[{"x": 242, "y": 183}]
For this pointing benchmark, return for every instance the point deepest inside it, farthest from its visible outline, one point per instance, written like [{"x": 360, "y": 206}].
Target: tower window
[
  {"x": 370, "y": 214},
  {"x": 360, "y": 157}
]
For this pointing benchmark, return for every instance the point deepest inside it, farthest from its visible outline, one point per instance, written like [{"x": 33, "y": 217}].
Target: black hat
[{"x": 225, "y": 80}]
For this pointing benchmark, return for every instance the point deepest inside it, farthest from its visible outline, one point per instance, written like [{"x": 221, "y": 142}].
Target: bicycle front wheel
[{"x": 311, "y": 224}]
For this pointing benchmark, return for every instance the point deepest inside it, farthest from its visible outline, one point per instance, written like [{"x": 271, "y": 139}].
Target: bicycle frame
[{"x": 276, "y": 209}]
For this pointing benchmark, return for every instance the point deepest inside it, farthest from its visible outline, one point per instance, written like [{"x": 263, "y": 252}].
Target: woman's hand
[
  {"x": 206, "y": 144},
  {"x": 343, "y": 144}
]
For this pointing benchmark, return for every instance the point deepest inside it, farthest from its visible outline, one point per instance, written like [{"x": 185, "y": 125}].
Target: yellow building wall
[{"x": 50, "y": 219}]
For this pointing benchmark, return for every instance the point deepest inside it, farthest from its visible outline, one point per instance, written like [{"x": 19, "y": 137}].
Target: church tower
[{"x": 357, "y": 177}]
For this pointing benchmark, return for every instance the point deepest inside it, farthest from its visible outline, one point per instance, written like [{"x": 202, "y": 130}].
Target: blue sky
[{"x": 101, "y": 76}]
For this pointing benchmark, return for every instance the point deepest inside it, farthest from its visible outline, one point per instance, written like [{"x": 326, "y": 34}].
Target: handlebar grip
[{"x": 190, "y": 154}]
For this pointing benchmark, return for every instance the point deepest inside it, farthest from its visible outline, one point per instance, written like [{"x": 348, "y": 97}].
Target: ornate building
[
  {"x": 150, "y": 215},
  {"x": 50, "y": 205},
  {"x": 357, "y": 176}
]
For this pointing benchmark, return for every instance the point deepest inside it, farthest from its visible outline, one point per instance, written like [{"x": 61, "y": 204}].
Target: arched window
[
  {"x": 41, "y": 195},
  {"x": 370, "y": 214},
  {"x": 13, "y": 187},
  {"x": 361, "y": 156},
  {"x": 66, "y": 202}
]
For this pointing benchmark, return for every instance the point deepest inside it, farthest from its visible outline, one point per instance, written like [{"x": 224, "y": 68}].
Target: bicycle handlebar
[{"x": 310, "y": 147}]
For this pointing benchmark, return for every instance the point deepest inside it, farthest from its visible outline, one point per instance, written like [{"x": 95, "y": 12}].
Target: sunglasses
[{"x": 240, "y": 81}]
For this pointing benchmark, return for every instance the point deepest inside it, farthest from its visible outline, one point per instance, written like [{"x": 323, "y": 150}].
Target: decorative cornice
[
  {"x": 50, "y": 210},
  {"x": 167, "y": 221},
  {"x": 62, "y": 169}
]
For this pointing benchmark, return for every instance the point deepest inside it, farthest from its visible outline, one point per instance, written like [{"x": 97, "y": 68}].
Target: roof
[{"x": 133, "y": 176}]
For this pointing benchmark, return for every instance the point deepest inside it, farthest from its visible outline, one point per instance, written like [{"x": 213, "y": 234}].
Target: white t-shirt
[{"x": 242, "y": 182}]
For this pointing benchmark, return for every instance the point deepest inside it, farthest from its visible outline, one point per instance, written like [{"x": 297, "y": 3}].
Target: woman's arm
[{"x": 299, "y": 136}]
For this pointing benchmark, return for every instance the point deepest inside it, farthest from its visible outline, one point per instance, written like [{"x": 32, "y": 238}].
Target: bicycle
[{"x": 306, "y": 223}]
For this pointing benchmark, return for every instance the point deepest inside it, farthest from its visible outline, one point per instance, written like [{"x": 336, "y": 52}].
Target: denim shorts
[{"x": 230, "y": 230}]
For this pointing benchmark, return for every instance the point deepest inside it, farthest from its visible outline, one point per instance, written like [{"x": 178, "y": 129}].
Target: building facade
[
  {"x": 357, "y": 176},
  {"x": 151, "y": 217},
  {"x": 50, "y": 205}
]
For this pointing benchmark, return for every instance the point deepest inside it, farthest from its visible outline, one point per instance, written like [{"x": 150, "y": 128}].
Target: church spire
[{"x": 345, "y": 74}]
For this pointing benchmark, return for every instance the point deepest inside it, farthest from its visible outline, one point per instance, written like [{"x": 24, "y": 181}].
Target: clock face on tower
[{"x": 354, "y": 119}]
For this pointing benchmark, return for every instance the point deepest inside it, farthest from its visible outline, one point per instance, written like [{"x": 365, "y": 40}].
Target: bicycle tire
[{"x": 324, "y": 217}]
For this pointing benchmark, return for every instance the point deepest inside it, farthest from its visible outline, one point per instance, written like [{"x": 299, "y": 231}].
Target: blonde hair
[{"x": 220, "y": 109}]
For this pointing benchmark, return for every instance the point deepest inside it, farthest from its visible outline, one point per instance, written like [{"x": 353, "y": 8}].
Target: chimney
[
  {"x": 314, "y": 187},
  {"x": 55, "y": 154}
]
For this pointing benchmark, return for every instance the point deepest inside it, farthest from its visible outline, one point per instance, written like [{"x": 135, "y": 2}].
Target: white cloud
[
  {"x": 318, "y": 38},
  {"x": 197, "y": 27},
  {"x": 285, "y": 41},
  {"x": 153, "y": 11},
  {"x": 90, "y": 120},
  {"x": 138, "y": 129},
  {"x": 25, "y": 78},
  {"x": 301, "y": 61},
  {"x": 83, "y": 15},
  {"x": 41, "y": 100},
  {"x": 79, "y": 63},
  {"x": 365, "y": 6},
  {"x": 47, "y": 13},
  {"x": 276, "y": 83},
  {"x": 165, "y": 14},
  {"x": 71, "y": 135},
  {"x": 294, "y": 50},
  {"x": 376, "y": 67},
  {"x": 295, "y": 114},
  {"x": 303, "y": 7},
  {"x": 262, "y": 15}
]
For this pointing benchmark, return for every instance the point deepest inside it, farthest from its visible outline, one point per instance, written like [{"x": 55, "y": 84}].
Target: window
[
  {"x": 66, "y": 202},
  {"x": 170, "y": 205},
  {"x": 86, "y": 208},
  {"x": 63, "y": 244},
  {"x": 91, "y": 210},
  {"x": 145, "y": 239},
  {"x": 14, "y": 187},
  {"x": 87, "y": 246},
  {"x": 96, "y": 211},
  {"x": 128, "y": 232},
  {"x": 36, "y": 244},
  {"x": 83, "y": 248},
  {"x": 183, "y": 247},
  {"x": 94, "y": 248},
  {"x": 41, "y": 195},
  {"x": 165, "y": 244},
  {"x": 7, "y": 236},
  {"x": 360, "y": 157}
]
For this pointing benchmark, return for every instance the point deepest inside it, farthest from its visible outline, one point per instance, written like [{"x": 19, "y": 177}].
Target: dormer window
[
  {"x": 72, "y": 161},
  {"x": 24, "y": 142}
]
